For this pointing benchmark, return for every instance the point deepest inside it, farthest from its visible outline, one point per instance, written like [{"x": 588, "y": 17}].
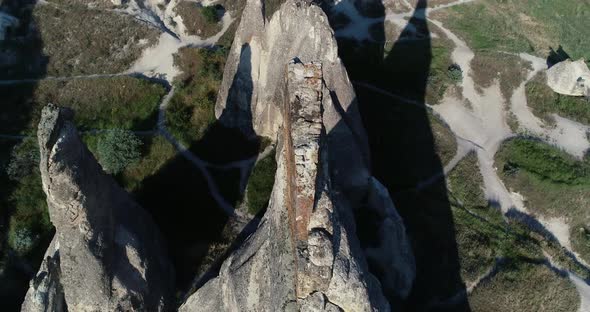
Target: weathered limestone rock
[
  {"x": 46, "y": 292},
  {"x": 305, "y": 254},
  {"x": 569, "y": 78},
  {"x": 107, "y": 254},
  {"x": 301, "y": 257}
]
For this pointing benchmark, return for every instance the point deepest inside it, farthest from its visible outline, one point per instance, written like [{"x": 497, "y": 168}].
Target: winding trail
[
  {"x": 482, "y": 126},
  {"x": 157, "y": 64}
]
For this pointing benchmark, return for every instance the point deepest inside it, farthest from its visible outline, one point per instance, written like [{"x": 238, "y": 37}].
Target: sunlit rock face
[
  {"x": 107, "y": 254},
  {"x": 284, "y": 79},
  {"x": 302, "y": 256},
  {"x": 569, "y": 78}
]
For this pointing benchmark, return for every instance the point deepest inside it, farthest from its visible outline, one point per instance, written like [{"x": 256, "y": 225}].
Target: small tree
[
  {"x": 24, "y": 159},
  {"x": 455, "y": 73},
  {"x": 210, "y": 14},
  {"x": 117, "y": 149}
]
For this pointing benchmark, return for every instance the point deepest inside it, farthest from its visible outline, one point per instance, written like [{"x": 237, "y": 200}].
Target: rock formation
[
  {"x": 106, "y": 254},
  {"x": 570, "y": 78},
  {"x": 299, "y": 29},
  {"x": 284, "y": 80},
  {"x": 303, "y": 256}
]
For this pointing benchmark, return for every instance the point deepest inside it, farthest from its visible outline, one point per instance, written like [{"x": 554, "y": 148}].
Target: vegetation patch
[
  {"x": 271, "y": 6},
  {"x": 509, "y": 70},
  {"x": 25, "y": 230},
  {"x": 260, "y": 184},
  {"x": 475, "y": 236},
  {"x": 522, "y": 286},
  {"x": 544, "y": 102},
  {"x": 156, "y": 151},
  {"x": 79, "y": 40},
  {"x": 553, "y": 183},
  {"x": 202, "y": 21},
  {"x": 424, "y": 73},
  {"x": 445, "y": 143},
  {"x": 192, "y": 109},
  {"x": 505, "y": 253},
  {"x": 544, "y": 161},
  {"x": 118, "y": 149},
  {"x": 102, "y": 103},
  {"x": 531, "y": 26}
]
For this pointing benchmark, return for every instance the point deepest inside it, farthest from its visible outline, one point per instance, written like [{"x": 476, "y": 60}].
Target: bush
[
  {"x": 22, "y": 240},
  {"x": 24, "y": 159},
  {"x": 455, "y": 73},
  {"x": 545, "y": 161},
  {"x": 192, "y": 108},
  {"x": 260, "y": 184},
  {"x": 210, "y": 14},
  {"x": 117, "y": 149}
]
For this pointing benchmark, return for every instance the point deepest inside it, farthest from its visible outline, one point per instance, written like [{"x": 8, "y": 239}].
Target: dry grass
[
  {"x": 445, "y": 143},
  {"x": 120, "y": 102},
  {"x": 195, "y": 21},
  {"x": 544, "y": 102},
  {"x": 548, "y": 196},
  {"x": 79, "y": 41},
  {"x": 525, "y": 287},
  {"x": 489, "y": 67},
  {"x": 532, "y": 26}
]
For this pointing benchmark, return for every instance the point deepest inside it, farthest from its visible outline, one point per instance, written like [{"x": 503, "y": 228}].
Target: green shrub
[
  {"x": 117, "y": 149},
  {"x": 210, "y": 14},
  {"x": 22, "y": 240},
  {"x": 192, "y": 109},
  {"x": 545, "y": 161},
  {"x": 29, "y": 218},
  {"x": 24, "y": 159},
  {"x": 455, "y": 73},
  {"x": 260, "y": 184}
]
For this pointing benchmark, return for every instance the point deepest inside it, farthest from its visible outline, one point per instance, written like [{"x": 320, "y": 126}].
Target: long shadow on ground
[
  {"x": 21, "y": 57},
  {"x": 403, "y": 154},
  {"x": 179, "y": 197}
]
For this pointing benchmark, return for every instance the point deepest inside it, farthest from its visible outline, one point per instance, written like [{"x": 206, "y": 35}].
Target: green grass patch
[
  {"x": 202, "y": 21},
  {"x": 104, "y": 103},
  {"x": 553, "y": 183},
  {"x": 445, "y": 143},
  {"x": 543, "y": 161},
  {"x": 411, "y": 75},
  {"x": 157, "y": 152},
  {"x": 509, "y": 70},
  {"x": 531, "y": 26},
  {"x": 271, "y": 6},
  {"x": 260, "y": 184},
  {"x": 522, "y": 286},
  {"x": 483, "y": 236},
  {"x": 544, "y": 102},
  {"x": 192, "y": 109}
]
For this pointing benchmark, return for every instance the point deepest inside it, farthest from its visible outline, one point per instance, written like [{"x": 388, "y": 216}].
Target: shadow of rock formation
[
  {"x": 21, "y": 57},
  {"x": 403, "y": 153}
]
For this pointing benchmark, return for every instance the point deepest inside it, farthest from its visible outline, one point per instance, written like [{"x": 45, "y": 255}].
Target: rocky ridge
[
  {"x": 107, "y": 252},
  {"x": 284, "y": 80},
  {"x": 302, "y": 256}
]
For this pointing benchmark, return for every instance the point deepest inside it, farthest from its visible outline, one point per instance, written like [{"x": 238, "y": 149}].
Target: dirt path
[{"x": 482, "y": 126}]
